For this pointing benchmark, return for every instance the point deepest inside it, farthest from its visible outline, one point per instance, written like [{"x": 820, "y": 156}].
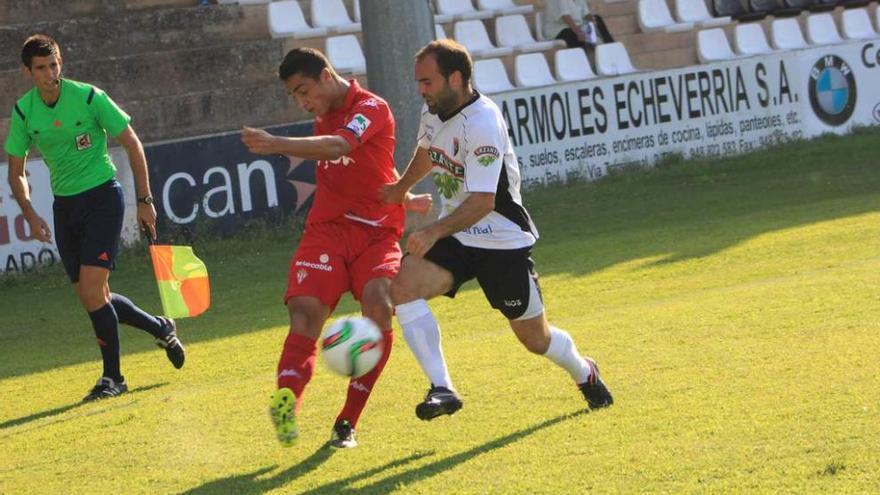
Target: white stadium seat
[
  {"x": 504, "y": 7},
  {"x": 472, "y": 34},
  {"x": 653, "y": 15},
  {"x": 612, "y": 59},
  {"x": 751, "y": 40},
  {"x": 356, "y": 8},
  {"x": 286, "y": 19},
  {"x": 857, "y": 25},
  {"x": 331, "y": 14},
  {"x": 490, "y": 76},
  {"x": 531, "y": 69},
  {"x": 785, "y": 34},
  {"x": 345, "y": 54},
  {"x": 512, "y": 31},
  {"x": 439, "y": 32},
  {"x": 572, "y": 65},
  {"x": 695, "y": 11},
  {"x": 712, "y": 46},
  {"x": 821, "y": 30},
  {"x": 461, "y": 10}
]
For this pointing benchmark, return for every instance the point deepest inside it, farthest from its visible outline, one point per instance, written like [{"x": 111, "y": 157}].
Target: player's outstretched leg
[{"x": 282, "y": 410}]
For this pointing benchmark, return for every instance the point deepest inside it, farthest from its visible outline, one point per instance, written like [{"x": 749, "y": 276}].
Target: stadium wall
[{"x": 575, "y": 131}]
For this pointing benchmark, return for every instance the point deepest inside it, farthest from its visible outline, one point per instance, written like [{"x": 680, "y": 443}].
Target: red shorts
[{"x": 334, "y": 258}]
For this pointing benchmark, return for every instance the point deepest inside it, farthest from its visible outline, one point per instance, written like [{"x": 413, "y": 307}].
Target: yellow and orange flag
[{"x": 183, "y": 281}]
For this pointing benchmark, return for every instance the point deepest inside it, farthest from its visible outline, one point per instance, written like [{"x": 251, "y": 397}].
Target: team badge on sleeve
[
  {"x": 83, "y": 141},
  {"x": 358, "y": 124},
  {"x": 486, "y": 155}
]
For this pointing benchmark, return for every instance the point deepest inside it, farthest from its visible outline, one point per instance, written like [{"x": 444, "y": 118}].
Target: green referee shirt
[{"x": 71, "y": 135}]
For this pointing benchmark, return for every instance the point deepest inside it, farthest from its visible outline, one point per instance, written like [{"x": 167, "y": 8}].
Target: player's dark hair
[
  {"x": 451, "y": 57},
  {"x": 38, "y": 45},
  {"x": 305, "y": 61}
]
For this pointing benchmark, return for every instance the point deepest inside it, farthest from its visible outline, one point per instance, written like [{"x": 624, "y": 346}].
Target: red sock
[
  {"x": 359, "y": 389},
  {"x": 296, "y": 364}
]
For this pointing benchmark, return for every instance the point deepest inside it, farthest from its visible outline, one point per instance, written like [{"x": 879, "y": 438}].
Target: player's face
[
  {"x": 45, "y": 72},
  {"x": 434, "y": 88},
  {"x": 312, "y": 95}
]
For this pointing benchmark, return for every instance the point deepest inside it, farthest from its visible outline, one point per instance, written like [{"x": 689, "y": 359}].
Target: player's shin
[
  {"x": 297, "y": 364},
  {"x": 564, "y": 353},
  {"x": 359, "y": 389},
  {"x": 422, "y": 334}
]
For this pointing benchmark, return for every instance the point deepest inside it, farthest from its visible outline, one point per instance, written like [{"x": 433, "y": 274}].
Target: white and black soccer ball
[{"x": 352, "y": 346}]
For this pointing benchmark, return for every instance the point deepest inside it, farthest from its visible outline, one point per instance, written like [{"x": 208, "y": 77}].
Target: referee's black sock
[
  {"x": 106, "y": 325},
  {"x": 132, "y": 315}
]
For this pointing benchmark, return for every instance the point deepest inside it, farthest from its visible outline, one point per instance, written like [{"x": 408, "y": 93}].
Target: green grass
[{"x": 732, "y": 306}]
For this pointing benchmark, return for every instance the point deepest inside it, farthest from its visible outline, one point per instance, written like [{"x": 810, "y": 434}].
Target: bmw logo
[{"x": 832, "y": 88}]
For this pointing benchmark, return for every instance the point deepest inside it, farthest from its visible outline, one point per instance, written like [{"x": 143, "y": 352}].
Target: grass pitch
[{"x": 732, "y": 307}]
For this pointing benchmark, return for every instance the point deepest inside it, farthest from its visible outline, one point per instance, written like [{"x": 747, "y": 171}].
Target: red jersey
[{"x": 348, "y": 188}]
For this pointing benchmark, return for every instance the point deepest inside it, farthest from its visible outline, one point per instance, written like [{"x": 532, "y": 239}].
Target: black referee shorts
[
  {"x": 88, "y": 226},
  {"x": 507, "y": 277}
]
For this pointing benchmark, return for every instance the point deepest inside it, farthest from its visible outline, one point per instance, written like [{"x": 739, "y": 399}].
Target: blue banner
[{"x": 215, "y": 185}]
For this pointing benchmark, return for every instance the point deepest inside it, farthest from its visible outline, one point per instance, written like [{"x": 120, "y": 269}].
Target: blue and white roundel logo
[{"x": 832, "y": 88}]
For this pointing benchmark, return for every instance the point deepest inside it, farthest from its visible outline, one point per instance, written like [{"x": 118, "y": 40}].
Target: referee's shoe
[
  {"x": 171, "y": 343},
  {"x": 106, "y": 388}
]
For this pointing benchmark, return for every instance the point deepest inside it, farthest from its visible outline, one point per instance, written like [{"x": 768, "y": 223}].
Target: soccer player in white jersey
[{"x": 483, "y": 232}]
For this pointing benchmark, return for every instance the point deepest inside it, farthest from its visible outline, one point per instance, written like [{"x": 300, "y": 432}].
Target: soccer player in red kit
[{"x": 350, "y": 239}]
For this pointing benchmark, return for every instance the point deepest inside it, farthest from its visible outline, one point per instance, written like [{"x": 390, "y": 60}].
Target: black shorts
[
  {"x": 88, "y": 226},
  {"x": 507, "y": 277}
]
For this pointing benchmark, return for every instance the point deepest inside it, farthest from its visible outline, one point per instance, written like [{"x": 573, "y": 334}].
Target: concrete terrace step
[
  {"x": 669, "y": 59},
  {"x": 612, "y": 9},
  {"x": 29, "y": 11},
  {"x": 127, "y": 33},
  {"x": 656, "y": 42},
  {"x": 164, "y": 73}
]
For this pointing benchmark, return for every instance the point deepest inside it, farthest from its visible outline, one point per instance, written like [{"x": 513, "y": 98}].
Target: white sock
[
  {"x": 563, "y": 352},
  {"x": 422, "y": 334}
]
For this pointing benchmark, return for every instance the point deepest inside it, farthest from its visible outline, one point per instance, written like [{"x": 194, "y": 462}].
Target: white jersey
[{"x": 471, "y": 152}]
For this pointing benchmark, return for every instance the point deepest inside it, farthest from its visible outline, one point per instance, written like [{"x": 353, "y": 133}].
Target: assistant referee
[{"x": 68, "y": 122}]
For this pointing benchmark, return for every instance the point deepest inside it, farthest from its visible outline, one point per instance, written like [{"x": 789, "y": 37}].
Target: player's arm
[
  {"x": 329, "y": 147},
  {"x": 470, "y": 211},
  {"x": 21, "y": 191},
  {"x": 419, "y": 166},
  {"x": 146, "y": 213}
]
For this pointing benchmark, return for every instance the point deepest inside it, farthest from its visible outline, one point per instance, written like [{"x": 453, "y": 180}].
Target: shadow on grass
[
  {"x": 63, "y": 409},
  {"x": 401, "y": 480},
  {"x": 673, "y": 213},
  {"x": 251, "y": 483}
]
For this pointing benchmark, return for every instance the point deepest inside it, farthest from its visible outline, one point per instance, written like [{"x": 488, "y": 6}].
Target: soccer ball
[{"x": 352, "y": 346}]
